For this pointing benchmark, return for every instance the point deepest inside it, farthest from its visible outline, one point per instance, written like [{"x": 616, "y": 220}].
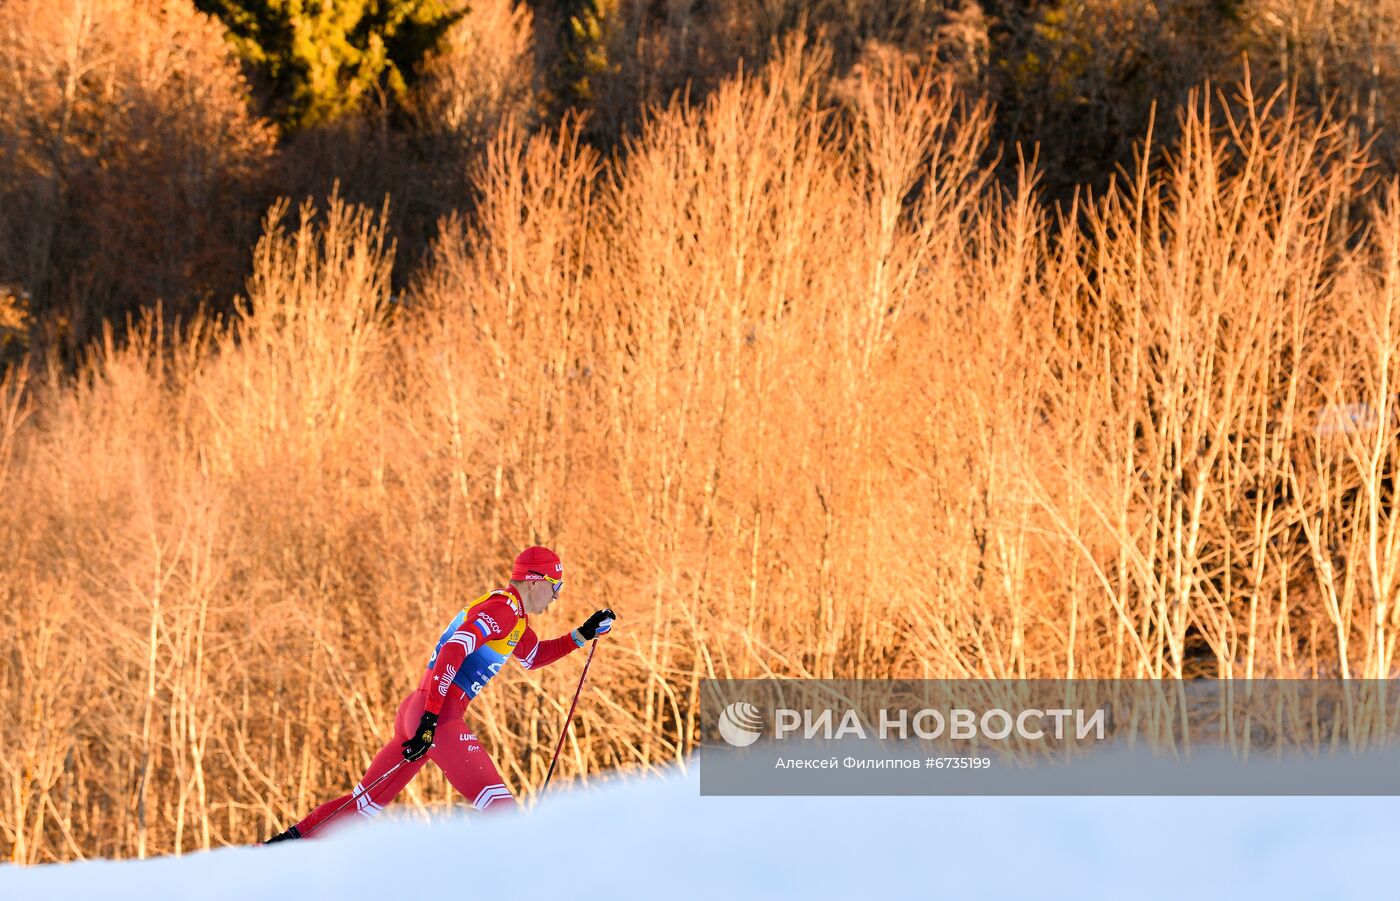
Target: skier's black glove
[
  {"x": 422, "y": 738},
  {"x": 600, "y": 623}
]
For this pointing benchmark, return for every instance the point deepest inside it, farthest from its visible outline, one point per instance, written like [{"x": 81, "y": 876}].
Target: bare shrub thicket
[
  {"x": 791, "y": 383},
  {"x": 130, "y": 167},
  {"x": 1344, "y": 52},
  {"x": 483, "y": 72}
]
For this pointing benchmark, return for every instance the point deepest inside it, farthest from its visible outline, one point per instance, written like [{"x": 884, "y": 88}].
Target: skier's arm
[
  {"x": 488, "y": 622},
  {"x": 533, "y": 653}
]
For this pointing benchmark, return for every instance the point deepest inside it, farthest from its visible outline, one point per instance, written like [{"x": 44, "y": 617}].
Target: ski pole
[
  {"x": 568, "y": 720},
  {"x": 355, "y": 795}
]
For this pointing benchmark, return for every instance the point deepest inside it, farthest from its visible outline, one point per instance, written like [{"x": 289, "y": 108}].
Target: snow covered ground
[{"x": 658, "y": 838}]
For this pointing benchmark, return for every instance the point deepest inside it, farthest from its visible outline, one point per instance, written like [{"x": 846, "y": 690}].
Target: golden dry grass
[{"x": 790, "y": 383}]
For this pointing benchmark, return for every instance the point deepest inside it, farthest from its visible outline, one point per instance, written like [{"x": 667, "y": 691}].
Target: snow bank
[{"x": 657, "y": 838}]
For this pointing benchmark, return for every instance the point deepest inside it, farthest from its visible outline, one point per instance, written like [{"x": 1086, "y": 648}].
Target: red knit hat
[{"x": 537, "y": 563}]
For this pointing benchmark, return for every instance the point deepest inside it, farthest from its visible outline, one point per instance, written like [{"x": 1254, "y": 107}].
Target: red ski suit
[{"x": 470, "y": 652}]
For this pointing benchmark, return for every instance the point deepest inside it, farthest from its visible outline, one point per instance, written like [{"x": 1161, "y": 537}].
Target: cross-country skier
[{"x": 472, "y": 649}]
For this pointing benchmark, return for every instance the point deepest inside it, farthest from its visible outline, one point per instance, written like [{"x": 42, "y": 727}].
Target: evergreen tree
[
  {"x": 322, "y": 58},
  {"x": 583, "y": 50}
]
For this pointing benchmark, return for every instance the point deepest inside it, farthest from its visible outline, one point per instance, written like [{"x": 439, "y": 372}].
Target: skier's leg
[
  {"x": 369, "y": 803},
  {"x": 460, "y": 756}
]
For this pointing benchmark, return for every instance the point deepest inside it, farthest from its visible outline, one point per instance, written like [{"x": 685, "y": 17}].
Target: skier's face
[{"x": 539, "y": 595}]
